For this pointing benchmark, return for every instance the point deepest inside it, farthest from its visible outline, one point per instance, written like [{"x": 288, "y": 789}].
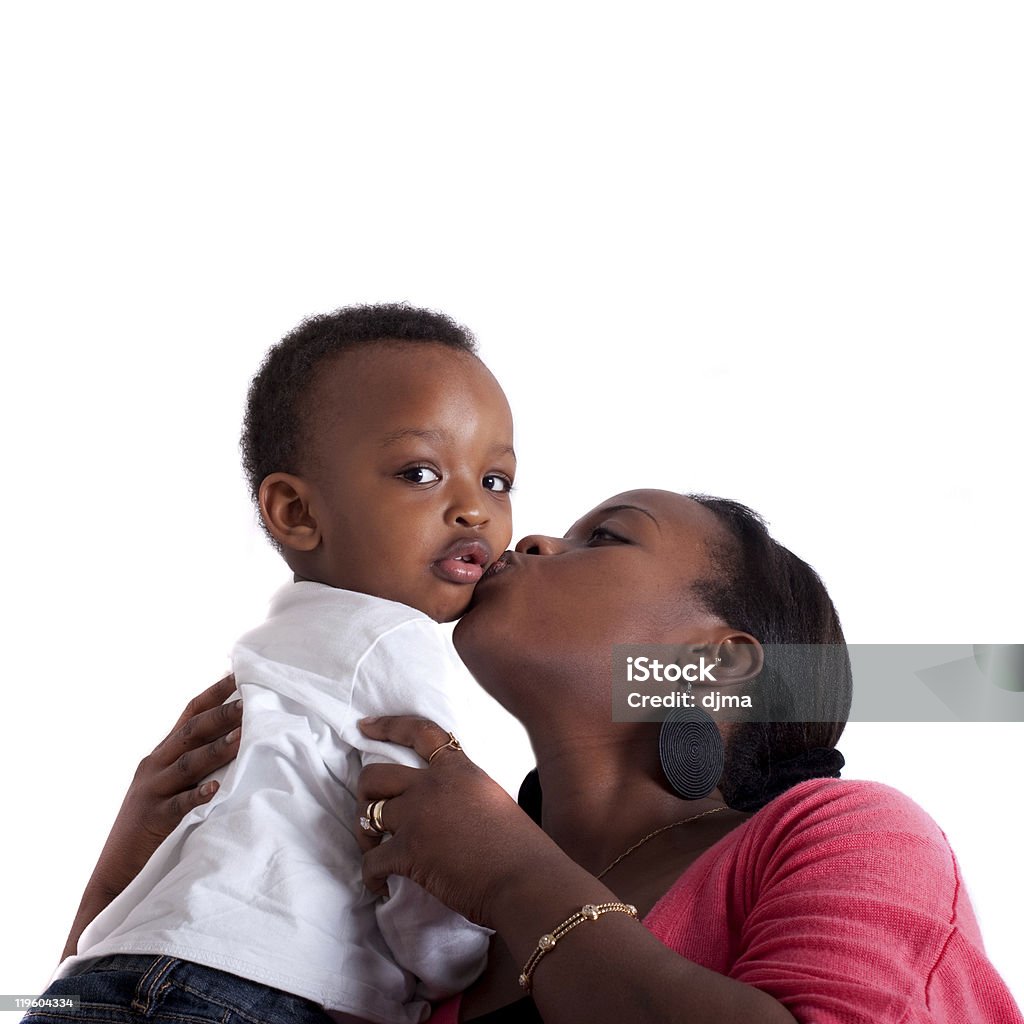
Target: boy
[{"x": 379, "y": 451}]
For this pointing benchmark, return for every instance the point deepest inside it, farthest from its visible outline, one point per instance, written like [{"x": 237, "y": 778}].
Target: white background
[{"x": 767, "y": 251}]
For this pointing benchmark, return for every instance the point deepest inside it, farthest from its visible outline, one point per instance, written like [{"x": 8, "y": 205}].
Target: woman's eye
[
  {"x": 497, "y": 482},
  {"x": 420, "y": 475},
  {"x": 599, "y": 534}
]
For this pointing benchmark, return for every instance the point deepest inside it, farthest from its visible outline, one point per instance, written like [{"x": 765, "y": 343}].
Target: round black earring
[{"x": 692, "y": 753}]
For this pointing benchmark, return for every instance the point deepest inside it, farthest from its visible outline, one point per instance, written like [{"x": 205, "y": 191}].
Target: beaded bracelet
[{"x": 546, "y": 943}]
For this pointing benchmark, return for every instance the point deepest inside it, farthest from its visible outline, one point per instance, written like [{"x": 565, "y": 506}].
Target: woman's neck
[{"x": 601, "y": 797}]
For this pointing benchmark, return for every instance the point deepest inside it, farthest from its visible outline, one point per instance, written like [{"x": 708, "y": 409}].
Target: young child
[{"x": 379, "y": 450}]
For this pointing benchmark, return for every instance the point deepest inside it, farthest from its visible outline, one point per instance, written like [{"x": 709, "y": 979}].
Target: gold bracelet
[{"x": 546, "y": 943}]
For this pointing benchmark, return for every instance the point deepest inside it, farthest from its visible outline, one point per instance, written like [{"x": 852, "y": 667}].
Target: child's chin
[
  {"x": 452, "y": 613},
  {"x": 452, "y": 616}
]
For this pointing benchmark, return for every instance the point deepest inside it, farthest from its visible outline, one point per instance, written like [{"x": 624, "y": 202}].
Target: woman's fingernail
[
  {"x": 368, "y": 721},
  {"x": 238, "y": 706},
  {"x": 207, "y": 788},
  {"x": 232, "y": 736}
]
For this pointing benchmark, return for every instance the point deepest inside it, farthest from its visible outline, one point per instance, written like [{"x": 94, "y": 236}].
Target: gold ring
[
  {"x": 371, "y": 821},
  {"x": 452, "y": 744}
]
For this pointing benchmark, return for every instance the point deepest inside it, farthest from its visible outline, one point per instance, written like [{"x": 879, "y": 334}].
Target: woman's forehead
[{"x": 667, "y": 509}]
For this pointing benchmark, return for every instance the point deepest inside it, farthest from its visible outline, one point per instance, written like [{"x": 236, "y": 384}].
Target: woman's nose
[{"x": 538, "y": 544}]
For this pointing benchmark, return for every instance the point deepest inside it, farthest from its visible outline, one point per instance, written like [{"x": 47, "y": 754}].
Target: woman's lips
[
  {"x": 500, "y": 564},
  {"x": 496, "y": 568},
  {"x": 462, "y": 562}
]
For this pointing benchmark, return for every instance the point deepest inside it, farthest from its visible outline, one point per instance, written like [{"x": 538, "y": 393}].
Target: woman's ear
[
  {"x": 738, "y": 656},
  {"x": 286, "y": 509}
]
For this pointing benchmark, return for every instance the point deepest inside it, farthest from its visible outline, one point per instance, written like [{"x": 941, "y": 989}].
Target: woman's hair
[{"x": 758, "y": 586}]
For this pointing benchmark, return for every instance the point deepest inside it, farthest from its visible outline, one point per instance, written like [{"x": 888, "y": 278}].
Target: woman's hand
[
  {"x": 460, "y": 836},
  {"x": 168, "y": 783},
  {"x": 454, "y": 830}
]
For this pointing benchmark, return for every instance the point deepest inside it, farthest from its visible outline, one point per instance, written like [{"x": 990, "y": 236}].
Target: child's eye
[
  {"x": 497, "y": 482},
  {"x": 420, "y": 475}
]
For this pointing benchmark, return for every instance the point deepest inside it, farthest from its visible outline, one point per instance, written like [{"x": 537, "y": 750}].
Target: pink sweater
[{"x": 843, "y": 900}]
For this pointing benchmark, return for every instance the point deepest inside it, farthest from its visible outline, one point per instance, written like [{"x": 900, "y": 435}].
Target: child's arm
[{"x": 165, "y": 788}]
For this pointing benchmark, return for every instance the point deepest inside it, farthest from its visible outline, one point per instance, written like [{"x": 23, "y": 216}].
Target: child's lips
[{"x": 462, "y": 562}]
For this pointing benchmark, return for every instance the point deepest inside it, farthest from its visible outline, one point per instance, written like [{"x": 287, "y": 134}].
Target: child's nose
[
  {"x": 466, "y": 508},
  {"x": 474, "y": 516}
]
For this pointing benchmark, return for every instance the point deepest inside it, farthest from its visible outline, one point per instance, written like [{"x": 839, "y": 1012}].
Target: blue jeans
[{"x": 164, "y": 990}]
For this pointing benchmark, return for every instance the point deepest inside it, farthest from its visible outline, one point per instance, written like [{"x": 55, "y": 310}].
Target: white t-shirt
[{"x": 265, "y": 880}]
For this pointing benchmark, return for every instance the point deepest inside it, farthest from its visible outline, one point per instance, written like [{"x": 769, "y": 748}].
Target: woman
[{"x": 782, "y": 894}]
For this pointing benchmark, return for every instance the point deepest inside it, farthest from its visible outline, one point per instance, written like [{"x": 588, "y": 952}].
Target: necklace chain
[{"x": 657, "y": 832}]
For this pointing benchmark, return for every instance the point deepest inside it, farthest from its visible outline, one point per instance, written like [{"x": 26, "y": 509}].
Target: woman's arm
[
  {"x": 165, "y": 788},
  {"x": 459, "y": 835}
]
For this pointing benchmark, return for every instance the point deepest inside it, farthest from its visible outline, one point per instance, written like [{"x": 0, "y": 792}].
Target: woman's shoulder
[
  {"x": 838, "y": 806},
  {"x": 836, "y": 834},
  {"x": 843, "y": 899},
  {"x": 862, "y": 830}
]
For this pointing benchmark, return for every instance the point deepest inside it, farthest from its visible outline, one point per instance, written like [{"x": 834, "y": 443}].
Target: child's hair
[{"x": 272, "y": 431}]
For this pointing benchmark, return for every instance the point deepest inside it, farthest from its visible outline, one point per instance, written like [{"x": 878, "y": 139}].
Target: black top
[{"x": 523, "y": 1011}]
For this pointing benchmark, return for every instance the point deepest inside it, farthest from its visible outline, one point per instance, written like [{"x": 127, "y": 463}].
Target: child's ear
[{"x": 285, "y": 507}]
